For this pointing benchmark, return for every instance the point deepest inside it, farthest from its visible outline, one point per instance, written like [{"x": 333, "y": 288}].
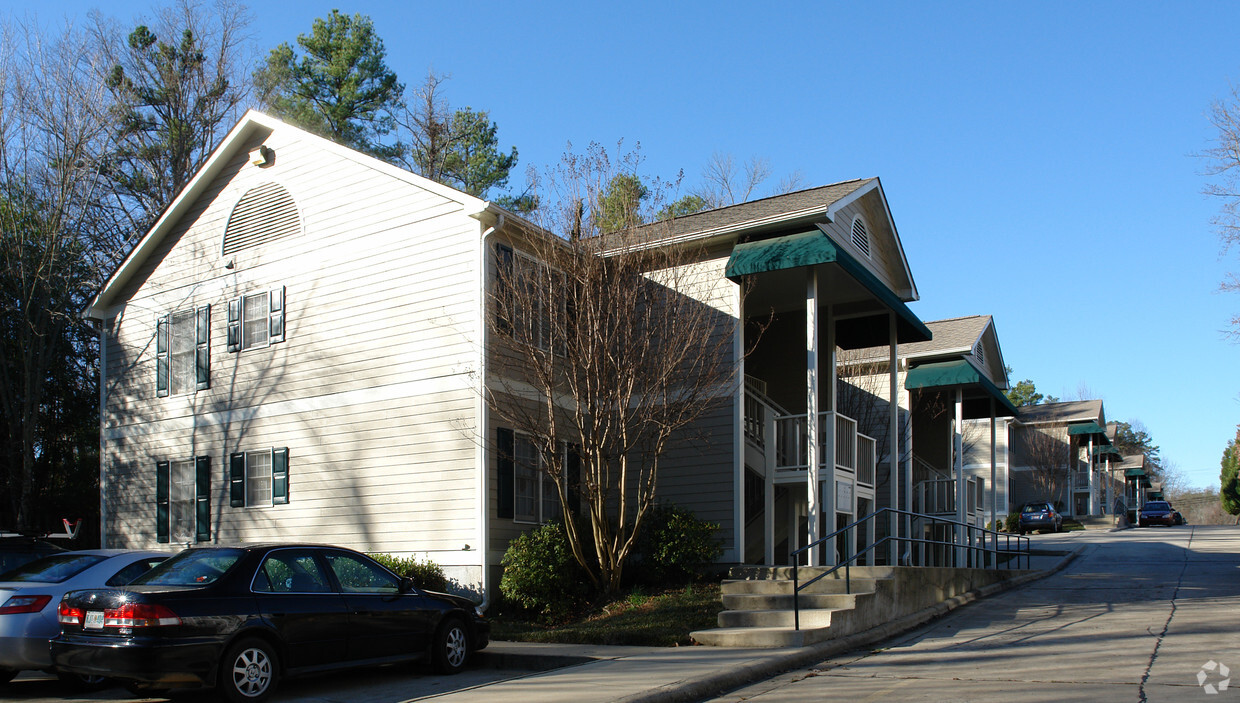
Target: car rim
[
  {"x": 251, "y": 672},
  {"x": 455, "y": 646}
]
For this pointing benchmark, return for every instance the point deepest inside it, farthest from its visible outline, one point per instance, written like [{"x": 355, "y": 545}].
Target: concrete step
[
  {"x": 805, "y": 573},
  {"x": 760, "y": 636},
  {"x": 810, "y": 618},
  {"x": 773, "y": 587},
  {"x": 784, "y": 601}
]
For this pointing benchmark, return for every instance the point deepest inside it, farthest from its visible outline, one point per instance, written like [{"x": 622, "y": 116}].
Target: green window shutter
[
  {"x": 162, "y": 477},
  {"x": 202, "y": 348},
  {"x": 276, "y": 326},
  {"x": 234, "y": 325},
  {"x": 279, "y": 476},
  {"x": 236, "y": 480},
  {"x": 163, "y": 347},
  {"x": 572, "y": 467},
  {"x": 504, "y": 298},
  {"x": 505, "y": 448},
  {"x": 202, "y": 498}
]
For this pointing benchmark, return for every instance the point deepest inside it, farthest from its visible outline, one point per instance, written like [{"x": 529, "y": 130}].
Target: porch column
[
  {"x": 811, "y": 409},
  {"x": 827, "y": 453},
  {"x": 908, "y": 470},
  {"x": 1110, "y": 506},
  {"x": 768, "y": 517},
  {"x": 1089, "y": 477},
  {"x": 893, "y": 443},
  {"x": 994, "y": 470},
  {"x": 958, "y": 467}
]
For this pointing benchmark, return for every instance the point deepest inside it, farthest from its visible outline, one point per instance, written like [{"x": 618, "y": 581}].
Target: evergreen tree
[
  {"x": 1229, "y": 477},
  {"x": 336, "y": 84},
  {"x": 173, "y": 101}
]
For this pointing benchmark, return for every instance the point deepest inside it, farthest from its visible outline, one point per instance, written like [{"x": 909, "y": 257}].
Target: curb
[{"x": 714, "y": 684}]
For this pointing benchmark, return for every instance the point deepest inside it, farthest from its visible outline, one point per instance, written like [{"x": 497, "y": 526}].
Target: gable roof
[
  {"x": 954, "y": 336},
  {"x": 782, "y": 214},
  {"x": 252, "y": 124},
  {"x": 1064, "y": 412}
]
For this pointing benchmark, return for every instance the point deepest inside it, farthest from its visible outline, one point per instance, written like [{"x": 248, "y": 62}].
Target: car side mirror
[{"x": 407, "y": 585}]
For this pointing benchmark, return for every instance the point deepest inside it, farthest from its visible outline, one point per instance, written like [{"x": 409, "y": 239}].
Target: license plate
[{"x": 94, "y": 620}]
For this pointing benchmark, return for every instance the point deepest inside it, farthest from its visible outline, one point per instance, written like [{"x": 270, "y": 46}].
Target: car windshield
[
  {"x": 53, "y": 569},
  {"x": 193, "y": 567},
  {"x": 1036, "y": 507},
  {"x": 1157, "y": 505}
]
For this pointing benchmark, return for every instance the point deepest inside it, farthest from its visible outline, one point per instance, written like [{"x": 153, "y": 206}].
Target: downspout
[
  {"x": 103, "y": 403},
  {"x": 484, "y": 415}
]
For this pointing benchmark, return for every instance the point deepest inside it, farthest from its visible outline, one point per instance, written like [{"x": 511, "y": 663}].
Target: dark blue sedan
[{"x": 241, "y": 618}]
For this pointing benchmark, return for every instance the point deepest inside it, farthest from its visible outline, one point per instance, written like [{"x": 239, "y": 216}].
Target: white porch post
[
  {"x": 768, "y": 517},
  {"x": 1109, "y": 507},
  {"x": 958, "y": 467},
  {"x": 994, "y": 470},
  {"x": 908, "y": 470},
  {"x": 893, "y": 433},
  {"x": 1089, "y": 477},
  {"x": 827, "y": 450},
  {"x": 811, "y": 408}
]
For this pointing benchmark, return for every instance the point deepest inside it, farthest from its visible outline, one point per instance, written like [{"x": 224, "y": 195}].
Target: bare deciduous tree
[
  {"x": 615, "y": 345},
  {"x": 53, "y": 126},
  {"x": 724, "y": 183},
  {"x": 1224, "y": 164},
  {"x": 1044, "y": 450}
]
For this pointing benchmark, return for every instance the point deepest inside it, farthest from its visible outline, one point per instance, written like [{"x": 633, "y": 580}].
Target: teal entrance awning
[
  {"x": 812, "y": 249},
  {"x": 1133, "y": 473},
  {"x": 950, "y": 374},
  {"x": 1107, "y": 450},
  {"x": 1086, "y": 428}
]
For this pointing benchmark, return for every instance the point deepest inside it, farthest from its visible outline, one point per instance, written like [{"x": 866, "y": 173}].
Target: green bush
[
  {"x": 425, "y": 574},
  {"x": 541, "y": 575},
  {"x": 674, "y": 545},
  {"x": 1012, "y": 522}
]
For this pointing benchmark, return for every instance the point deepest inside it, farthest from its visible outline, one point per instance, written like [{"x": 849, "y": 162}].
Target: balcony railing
[{"x": 854, "y": 452}]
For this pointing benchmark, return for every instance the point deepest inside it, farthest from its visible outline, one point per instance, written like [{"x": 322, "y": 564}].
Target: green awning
[
  {"x": 814, "y": 248},
  {"x": 949, "y": 374},
  {"x": 1086, "y": 428},
  {"x": 1133, "y": 473},
  {"x": 1107, "y": 449}
]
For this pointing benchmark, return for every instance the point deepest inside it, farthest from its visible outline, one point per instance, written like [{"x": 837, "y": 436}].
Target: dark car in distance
[
  {"x": 1158, "y": 512},
  {"x": 241, "y": 618},
  {"x": 1039, "y": 516}
]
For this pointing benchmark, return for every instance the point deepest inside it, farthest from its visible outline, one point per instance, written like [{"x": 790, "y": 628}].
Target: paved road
[{"x": 1135, "y": 617}]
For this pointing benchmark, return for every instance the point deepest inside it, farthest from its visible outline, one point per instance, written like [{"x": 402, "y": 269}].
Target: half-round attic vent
[
  {"x": 265, "y": 213},
  {"x": 860, "y": 236}
]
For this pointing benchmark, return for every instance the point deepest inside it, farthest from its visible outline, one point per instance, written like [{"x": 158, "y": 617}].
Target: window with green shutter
[
  {"x": 183, "y": 500},
  {"x": 258, "y": 478},
  {"x": 183, "y": 352},
  {"x": 256, "y": 320}
]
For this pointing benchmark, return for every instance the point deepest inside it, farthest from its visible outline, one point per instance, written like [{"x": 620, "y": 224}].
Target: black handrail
[{"x": 1022, "y": 547}]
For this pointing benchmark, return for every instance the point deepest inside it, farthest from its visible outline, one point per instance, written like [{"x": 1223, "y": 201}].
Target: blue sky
[{"x": 1038, "y": 157}]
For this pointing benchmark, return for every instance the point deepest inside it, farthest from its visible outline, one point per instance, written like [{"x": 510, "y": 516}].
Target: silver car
[{"x": 30, "y": 595}]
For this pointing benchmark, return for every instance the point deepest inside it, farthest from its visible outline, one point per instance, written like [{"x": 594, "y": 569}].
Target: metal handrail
[{"x": 1022, "y": 547}]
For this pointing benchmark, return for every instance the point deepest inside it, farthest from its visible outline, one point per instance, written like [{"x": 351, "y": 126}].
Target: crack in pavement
[{"x": 1145, "y": 677}]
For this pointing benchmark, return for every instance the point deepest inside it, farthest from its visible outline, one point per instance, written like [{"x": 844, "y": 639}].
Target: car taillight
[
  {"x": 68, "y": 615},
  {"x": 24, "y": 604},
  {"x": 140, "y": 615}
]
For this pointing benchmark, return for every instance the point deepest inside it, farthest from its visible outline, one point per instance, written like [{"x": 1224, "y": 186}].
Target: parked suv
[
  {"x": 15, "y": 551},
  {"x": 1041, "y": 517}
]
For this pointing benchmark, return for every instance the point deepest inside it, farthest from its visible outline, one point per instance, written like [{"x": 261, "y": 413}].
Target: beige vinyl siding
[
  {"x": 371, "y": 392},
  {"x": 884, "y": 260}
]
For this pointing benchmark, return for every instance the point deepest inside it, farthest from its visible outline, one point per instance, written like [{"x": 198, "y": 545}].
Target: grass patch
[{"x": 662, "y": 619}]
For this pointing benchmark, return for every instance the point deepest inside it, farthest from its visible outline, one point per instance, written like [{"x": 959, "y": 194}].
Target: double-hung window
[
  {"x": 183, "y": 500},
  {"x": 183, "y": 352},
  {"x": 256, "y": 320},
  {"x": 530, "y": 298},
  {"x": 258, "y": 478},
  {"x": 527, "y": 493}
]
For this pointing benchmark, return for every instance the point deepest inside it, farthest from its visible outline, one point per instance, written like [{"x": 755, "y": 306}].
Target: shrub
[
  {"x": 1012, "y": 522},
  {"x": 425, "y": 574},
  {"x": 675, "y": 544},
  {"x": 541, "y": 575}
]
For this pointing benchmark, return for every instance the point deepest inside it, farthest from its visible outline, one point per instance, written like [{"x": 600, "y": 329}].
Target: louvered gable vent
[
  {"x": 264, "y": 214},
  {"x": 861, "y": 237}
]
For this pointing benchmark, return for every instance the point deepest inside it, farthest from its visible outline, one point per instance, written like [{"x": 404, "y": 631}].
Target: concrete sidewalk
[{"x": 590, "y": 673}]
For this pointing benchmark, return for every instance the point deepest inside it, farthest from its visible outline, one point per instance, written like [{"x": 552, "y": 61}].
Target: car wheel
[
  {"x": 84, "y": 682},
  {"x": 249, "y": 671},
  {"x": 451, "y": 647}
]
